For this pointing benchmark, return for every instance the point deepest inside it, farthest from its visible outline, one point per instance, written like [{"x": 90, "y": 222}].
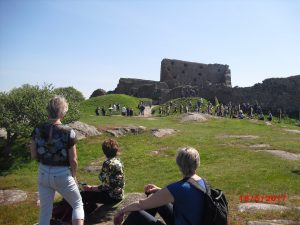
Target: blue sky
[{"x": 92, "y": 44}]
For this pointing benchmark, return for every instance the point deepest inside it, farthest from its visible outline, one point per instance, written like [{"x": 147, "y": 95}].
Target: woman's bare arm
[{"x": 73, "y": 160}]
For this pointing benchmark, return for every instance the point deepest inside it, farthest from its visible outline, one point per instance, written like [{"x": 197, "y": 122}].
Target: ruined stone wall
[
  {"x": 187, "y": 79},
  {"x": 178, "y": 73},
  {"x": 142, "y": 88},
  {"x": 272, "y": 94}
]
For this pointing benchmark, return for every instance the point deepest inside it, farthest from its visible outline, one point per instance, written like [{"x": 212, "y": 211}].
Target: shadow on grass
[{"x": 20, "y": 156}]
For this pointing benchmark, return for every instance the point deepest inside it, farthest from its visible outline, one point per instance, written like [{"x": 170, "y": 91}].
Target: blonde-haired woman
[
  {"x": 53, "y": 145},
  {"x": 177, "y": 203}
]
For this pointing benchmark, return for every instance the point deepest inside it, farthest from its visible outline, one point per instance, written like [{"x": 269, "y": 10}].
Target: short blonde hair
[
  {"x": 57, "y": 107},
  {"x": 188, "y": 160}
]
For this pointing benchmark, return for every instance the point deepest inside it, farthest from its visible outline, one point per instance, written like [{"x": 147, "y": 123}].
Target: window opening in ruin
[
  {"x": 200, "y": 74},
  {"x": 182, "y": 71},
  {"x": 185, "y": 65},
  {"x": 174, "y": 76},
  {"x": 201, "y": 67},
  {"x": 195, "y": 79},
  {"x": 172, "y": 63},
  {"x": 219, "y": 70},
  {"x": 168, "y": 69}
]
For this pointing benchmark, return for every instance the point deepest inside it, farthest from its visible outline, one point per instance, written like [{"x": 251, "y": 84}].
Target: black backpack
[{"x": 215, "y": 204}]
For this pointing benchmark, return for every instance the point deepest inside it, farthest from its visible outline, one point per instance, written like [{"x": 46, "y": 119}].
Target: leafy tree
[
  {"x": 98, "y": 92},
  {"x": 70, "y": 93},
  {"x": 24, "y": 108}
]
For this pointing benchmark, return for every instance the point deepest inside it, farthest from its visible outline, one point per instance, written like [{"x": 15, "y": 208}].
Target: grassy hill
[
  {"x": 87, "y": 108},
  {"x": 228, "y": 163}
]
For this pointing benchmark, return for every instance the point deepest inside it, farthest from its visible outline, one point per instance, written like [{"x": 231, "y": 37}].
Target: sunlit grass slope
[
  {"x": 87, "y": 107},
  {"x": 227, "y": 163}
]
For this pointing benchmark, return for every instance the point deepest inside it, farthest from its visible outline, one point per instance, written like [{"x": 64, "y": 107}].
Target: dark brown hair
[{"x": 110, "y": 148}]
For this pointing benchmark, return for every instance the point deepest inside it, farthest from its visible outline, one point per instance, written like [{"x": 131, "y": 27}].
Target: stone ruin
[
  {"x": 178, "y": 73},
  {"x": 188, "y": 79}
]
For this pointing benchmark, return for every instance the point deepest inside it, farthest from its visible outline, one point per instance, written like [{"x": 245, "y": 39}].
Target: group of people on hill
[
  {"x": 123, "y": 110},
  {"x": 114, "y": 108},
  {"x": 240, "y": 111},
  {"x": 54, "y": 146}
]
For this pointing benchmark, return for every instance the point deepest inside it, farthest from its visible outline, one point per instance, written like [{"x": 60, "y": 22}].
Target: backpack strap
[
  {"x": 208, "y": 188},
  {"x": 49, "y": 141},
  {"x": 199, "y": 187}
]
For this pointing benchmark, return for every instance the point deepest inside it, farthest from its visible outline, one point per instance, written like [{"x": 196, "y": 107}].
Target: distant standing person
[
  {"x": 103, "y": 110},
  {"x": 110, "y": 110},
  {"x": 124, "y": 111},
  {"x": 270, "y": 116},
  {"x": 53, "y": 145},
  {"x": 131, "y": 112},
  {"x": 97, "y": 111}
]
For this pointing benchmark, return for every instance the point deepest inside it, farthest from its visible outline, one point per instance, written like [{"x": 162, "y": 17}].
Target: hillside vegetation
[
  {"x": 227, "y": 162},
  {"x": 87, "y": 108}
]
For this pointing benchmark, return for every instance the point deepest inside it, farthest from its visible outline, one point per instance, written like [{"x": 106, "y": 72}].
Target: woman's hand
[
  {"x": 118, "y": 219},
  {"x": 89, "y": 188},
  {"x": 150, "y": 189}
]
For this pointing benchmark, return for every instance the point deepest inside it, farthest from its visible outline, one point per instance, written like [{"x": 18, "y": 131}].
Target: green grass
[
  {"x": 226, "y": 162},
  {"x": 87, "y": 108}
]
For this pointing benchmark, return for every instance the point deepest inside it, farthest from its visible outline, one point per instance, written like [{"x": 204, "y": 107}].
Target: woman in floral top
[{"x": 112, "y": 180}]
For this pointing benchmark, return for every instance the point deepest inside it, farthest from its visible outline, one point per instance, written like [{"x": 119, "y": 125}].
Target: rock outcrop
[
  {"x": 195, "y": 117},
  {"x": 104, "y": 214},
  {"x": 271, "y": 222},
  {"x": 84, "y": 130},
  {"x": 8, "y": 197},
  {"x": 162, "y": 132},
  {"x": 120, "y": 131},
  {"x": 242, "y": 207}
]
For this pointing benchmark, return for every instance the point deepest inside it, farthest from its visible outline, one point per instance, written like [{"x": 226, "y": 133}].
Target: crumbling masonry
[{"x": 188, "y": 79}]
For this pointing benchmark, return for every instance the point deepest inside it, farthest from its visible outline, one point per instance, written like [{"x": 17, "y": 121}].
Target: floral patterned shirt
[
  {"x": 112, "y": 178},
  {"x": 52, "y": 143}
]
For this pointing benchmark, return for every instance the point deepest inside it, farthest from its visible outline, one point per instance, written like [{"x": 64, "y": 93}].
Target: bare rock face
[
  {"x": 195, "y": 117},
  {"x": 271, "y": 222},
  {"x": 242, "y": 207},
  {"x": 92, "y": 169},
  {"x": 293, "y": 131},
  {"x": 83, "y": 130},
  {"x": 283, "y": 154},
  {"x": 104, "y": 214},
  {"x": 8, "y": 197},
  {"x": 245, "y": 137},
  {"x": 162, "y": 132},
  {"x": 258, "y": 146},
  {"x": 120, "y": 131}
]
